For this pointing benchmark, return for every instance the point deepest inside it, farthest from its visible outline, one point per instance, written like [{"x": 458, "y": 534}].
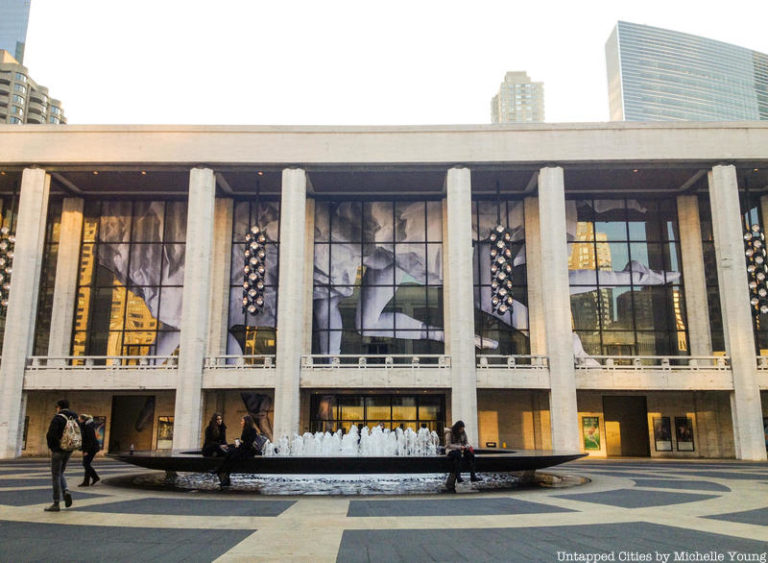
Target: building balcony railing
[
  {"x": 375, "y": 361},
  {"x": 654, "y": 362},
  {"x": 101, "y": 362},
  {"x": 232, "y": 361},
  {"x": 493, "y": 361}
]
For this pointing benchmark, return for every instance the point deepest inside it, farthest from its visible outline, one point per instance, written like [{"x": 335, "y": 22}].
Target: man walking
[{"x": 59, "y": 456}]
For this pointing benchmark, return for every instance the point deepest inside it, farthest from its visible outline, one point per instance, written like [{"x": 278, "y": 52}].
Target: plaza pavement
[{"x": 630, "y": 510}]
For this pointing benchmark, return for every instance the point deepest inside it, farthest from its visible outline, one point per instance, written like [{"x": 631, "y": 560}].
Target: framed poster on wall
[
  {"x": 590, "y": 428},
  {"x": 765, "y": 431},
  {"x": 662, "y": 434},
  {"x": 684, "y": 433},
  {"x": 164, "y": 432},
  {"x": 100, "y": 427}
]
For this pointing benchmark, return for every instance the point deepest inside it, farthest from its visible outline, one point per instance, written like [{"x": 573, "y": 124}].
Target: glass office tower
[
  {"x": 660, "y": 75},
  {"x": 14, "y": 17}
]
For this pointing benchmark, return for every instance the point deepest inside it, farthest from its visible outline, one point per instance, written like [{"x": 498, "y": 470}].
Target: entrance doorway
[
  {"x": 132, "y": 422},
  {"x": 626, "y": 426}
]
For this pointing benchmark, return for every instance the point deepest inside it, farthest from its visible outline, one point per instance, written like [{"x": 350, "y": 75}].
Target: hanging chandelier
[
  {"x": 501, "y": 269},
  {"x": 254, "y": 270},
  {"x": 7, "y": 242},
  {"x": 757, "y": 269}
]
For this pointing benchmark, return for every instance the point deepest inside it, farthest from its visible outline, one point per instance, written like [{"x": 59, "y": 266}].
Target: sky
[{"x": 314, "y": 62}]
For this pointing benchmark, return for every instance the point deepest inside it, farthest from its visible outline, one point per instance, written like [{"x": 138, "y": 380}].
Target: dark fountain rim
[{"x": 487, "y": 460}]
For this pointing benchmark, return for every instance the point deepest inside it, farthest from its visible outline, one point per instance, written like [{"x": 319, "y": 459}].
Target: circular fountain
[{"x": 337, "y": 463}]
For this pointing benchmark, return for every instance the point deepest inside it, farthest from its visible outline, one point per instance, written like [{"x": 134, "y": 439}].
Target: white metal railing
[
  {"x": 101, "y": 362},
  {"x": 375, "y": 361},
  {"x": 654, "y": 362},
  {"x": 232, "y": 361},
  {"x": 494, "y": 361}
]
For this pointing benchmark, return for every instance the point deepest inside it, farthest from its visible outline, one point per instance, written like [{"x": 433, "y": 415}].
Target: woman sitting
[
  {"x": 457, "y": 447},
  {"x": 243, "y": 449},
  {"x": 215, "y": 437}
]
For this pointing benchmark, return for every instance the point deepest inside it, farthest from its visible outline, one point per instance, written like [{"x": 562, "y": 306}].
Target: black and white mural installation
[
  {"x": 252, "y": 329},
  {"x": 131, "y": 278}
]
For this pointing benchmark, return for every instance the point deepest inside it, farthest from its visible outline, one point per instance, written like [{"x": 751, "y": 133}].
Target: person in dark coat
[
  {"x": 457, "y": 446},
  {"x": 59, "y": 457},
  {"x": 215, "y": 437},
  {"x": 89, "y": 448},
  {"x": 242, "y": 449}
]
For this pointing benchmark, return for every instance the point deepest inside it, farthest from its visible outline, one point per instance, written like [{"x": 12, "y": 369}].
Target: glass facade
[
  {"x": 14, "y": 18},
  {"x": 131, "y": 275},
  {"x": 710, "y": 273},
  {"x": 626, "y": 278},
  {"x": 660, "y": 75},
  {"x": 331, "y": 412},
  {"x": 499, "y": 333},
  {"x": 9, "y": 204},
  {"x": 378, "y": 277},
  {"x": 47, "y": 279},
  {"x": 254, "y": 334}
]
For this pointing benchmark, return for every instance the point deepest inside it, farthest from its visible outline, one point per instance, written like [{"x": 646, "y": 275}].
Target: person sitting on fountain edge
[
  {"x": 244, "y": 448},
  {"x": 215, "y": 437},
  {"x": 457, "y": 446}
]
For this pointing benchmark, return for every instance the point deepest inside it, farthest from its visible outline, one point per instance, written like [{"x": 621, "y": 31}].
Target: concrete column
[
  {"x": 221, "y": 263},
  {"x": 22, "y": 305},
  {"x": 291, "y": 302},
  {"x": 534, "y": 274},
  {"x": 194, "y": 317},
  {"x": 737, "y": 317},
  {"x": 694, "y": 278},
  {"x": 457, "y": 298},
  {"x": 557, "y": 309},
  {"x": 67, "y": 271}
]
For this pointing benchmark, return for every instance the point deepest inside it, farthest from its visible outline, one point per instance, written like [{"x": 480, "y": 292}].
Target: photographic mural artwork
[
  {"x": 684, "y": 433},
  {"x": 378, "y": 278}
]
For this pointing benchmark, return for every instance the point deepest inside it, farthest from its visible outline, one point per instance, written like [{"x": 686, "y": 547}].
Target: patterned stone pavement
[{"x": 630, "y": 510}]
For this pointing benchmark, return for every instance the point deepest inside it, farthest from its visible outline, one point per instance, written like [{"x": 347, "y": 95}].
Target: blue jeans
[{"x": 58, "y": 465}]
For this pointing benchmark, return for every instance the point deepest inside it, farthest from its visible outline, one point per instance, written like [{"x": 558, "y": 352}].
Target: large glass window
[
  {"x": 751, "y": 215},
  {"x": 497, "y": 332},
  {"x": 47, "y": 279},
  {"x": 9, "y": 204},
  {"x": 378, "y": 277},
  {"x": 626, "y": 277},
  {"x": 710, "y": 273},
  {"x": 332, "y": 412},
  {"x": 131, "y": 276},
  {"x": 254, "y": 334}
]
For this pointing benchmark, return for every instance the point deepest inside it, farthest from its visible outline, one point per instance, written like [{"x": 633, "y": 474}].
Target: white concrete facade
[{"x": 556, "y": 155}]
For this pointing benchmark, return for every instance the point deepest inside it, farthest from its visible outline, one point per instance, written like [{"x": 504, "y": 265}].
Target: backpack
[{"x": 71, "y": 438}]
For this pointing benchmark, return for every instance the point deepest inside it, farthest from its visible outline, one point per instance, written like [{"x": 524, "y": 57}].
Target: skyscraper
[
  {"x": 661, "y": 75},
  {"x": 14, "y": 17},
  {"x": 519, "y": 100}
]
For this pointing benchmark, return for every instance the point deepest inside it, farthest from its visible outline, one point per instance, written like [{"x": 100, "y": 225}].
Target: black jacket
[
  {"x": 210, "y": 436},
  {"x": 56, "y": 429},
  {"x": 88, "y": 432},
  {"x": 247, "y": 437}
]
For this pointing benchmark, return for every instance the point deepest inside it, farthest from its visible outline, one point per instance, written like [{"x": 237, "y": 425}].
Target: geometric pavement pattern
[{"x": 630, "y": 510}]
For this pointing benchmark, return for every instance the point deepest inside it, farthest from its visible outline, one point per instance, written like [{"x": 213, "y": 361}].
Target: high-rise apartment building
[
  {"x": 661, "y": 75},
  {"x": 519, "y": 100},
  {"x": 14, "y": 17},
  {"x": 22, "y": 100}
]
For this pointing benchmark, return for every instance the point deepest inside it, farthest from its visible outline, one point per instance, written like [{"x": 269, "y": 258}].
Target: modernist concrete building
[
  {"x": 661, "y": 75},
  {"x": 519, "y": 100},
  {"x": 576, "y": 287},
  {"x": 22, "y": 100}
]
